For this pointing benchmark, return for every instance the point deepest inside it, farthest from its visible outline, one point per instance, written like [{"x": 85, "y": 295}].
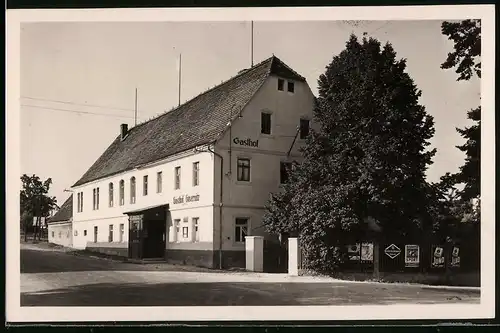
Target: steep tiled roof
[
  {"x": 199, "y": 121},
  {"x": 65, "y": 212}
]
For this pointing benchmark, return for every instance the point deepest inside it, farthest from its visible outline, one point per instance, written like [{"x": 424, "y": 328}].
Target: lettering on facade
[
  {"x": 186, "y": 198},
  {"x": 246, "y": 142}
]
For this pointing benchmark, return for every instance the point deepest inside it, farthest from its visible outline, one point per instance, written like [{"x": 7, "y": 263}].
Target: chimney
[{"x": 123, "y": 130}]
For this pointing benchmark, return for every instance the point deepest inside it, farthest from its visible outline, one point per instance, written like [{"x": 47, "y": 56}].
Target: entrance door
[
  {"x": 135, "y": 237},
  {"x": 155, "y": 228}
]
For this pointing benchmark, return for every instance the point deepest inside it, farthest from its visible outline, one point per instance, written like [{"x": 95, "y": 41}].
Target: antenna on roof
[{"x": 251, "y": 45}]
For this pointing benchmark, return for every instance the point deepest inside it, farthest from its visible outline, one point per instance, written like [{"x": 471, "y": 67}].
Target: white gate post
[
  {"x": 293, "y": 256},
  {"x": 254, "y": 253}
]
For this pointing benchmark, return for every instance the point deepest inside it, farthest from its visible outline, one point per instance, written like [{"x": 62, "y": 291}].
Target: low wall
[
  {"x": 206, "y": 258},
  {"x": 113, "y": 249},
  {"x": 464, "y": 279}
]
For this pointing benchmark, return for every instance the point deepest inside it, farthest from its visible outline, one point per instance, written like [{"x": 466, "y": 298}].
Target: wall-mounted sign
[
  {"x": 367, "y": 252},
  {"x": 438, "y": 257},
  {"x": 185, "y": 198},
  {"x": 392, "y": 251},
  {"x": 246, "y": 142},
  {"x": 455, "y": 257},
  {"x": 412, "y": 255}
]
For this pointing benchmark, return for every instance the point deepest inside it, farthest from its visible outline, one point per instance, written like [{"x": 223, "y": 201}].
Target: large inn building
[{"x": 189, "y": 185}]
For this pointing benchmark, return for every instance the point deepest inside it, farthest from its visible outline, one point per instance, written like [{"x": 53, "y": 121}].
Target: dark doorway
[{"x": 147, "y": 233}]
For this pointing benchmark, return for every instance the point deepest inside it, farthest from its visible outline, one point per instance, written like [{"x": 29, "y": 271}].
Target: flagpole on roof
[
  {"x": 251, "y": 44},
  {"x": 180, "y": 69},
  {"x": 135, "y": 110}
]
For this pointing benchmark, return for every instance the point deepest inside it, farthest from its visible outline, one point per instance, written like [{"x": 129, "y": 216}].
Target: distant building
[
  {"x": 60, "y": 225},
  {"x": 189, "y": 185}
]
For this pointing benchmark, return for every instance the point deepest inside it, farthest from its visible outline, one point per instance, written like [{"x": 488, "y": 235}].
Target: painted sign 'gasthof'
[{"x": 246, "y": 142}]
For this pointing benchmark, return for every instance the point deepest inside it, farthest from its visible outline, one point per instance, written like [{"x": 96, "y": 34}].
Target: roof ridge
[
  {"x": 289, "y": 68},
  {"x": 239, "y": 74}
]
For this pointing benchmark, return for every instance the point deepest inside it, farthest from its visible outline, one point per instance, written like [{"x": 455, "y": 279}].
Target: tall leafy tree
[
  {"x": 466, "y": 60},
  {"x": 35, "y": 201},
  {"x": 364, "y": 166}
]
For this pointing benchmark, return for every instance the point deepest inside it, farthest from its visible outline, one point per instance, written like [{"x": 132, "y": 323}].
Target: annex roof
[
  {"x": 199, "y": 121},
  {"x": 65, "y": 213}
]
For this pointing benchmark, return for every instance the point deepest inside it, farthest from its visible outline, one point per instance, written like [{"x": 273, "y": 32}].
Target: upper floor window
[
  {"x": 145, "y": 185},
  {"x": 159, "y": 182},
  {"x": 243, "y": 170},
  {"x": 111, "y": 195},
  {"x": 177, "y": 176},
  {"x": 79, "y": 207},
  {"x": 95, "y": 199},
  {"x": 196, "y": 173},
  {"x": 291, "y": 87},
  {"x": 132, "y": 190},
  {"x": 281, "y": 84},
  {"x": 265, "y": 123},
  {"x": 304, "y": 128},
  {"x": 122, "y": 192},
  {"x": 284, "y": 171}
]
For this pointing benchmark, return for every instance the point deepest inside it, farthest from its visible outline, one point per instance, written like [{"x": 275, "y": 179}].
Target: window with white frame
[
  {"x": 281, "y": 84},
  {"x": 196, "y": 173},
  {"x": 195, "y": 229},
  {"x": 85, "y": 232},
  {"x": 110, "y": 234},
  {"x": 177, "y": 176},
  {"x": 185, "y": 232},
  {"x": 145, "y": 185},
  {"x": 122, "y": 192},
  {"x": 79, "y": 207},
  {"x": 95, "y": 199},
  {"x": 111, "y": 195},
  {"x": 95, "y": 233},
  {"x": 240, "y": 229},
  {"x": 243, "y": 169},
  {"x": 177, "y": 227},
  {"x": 159, "y": 182},
  {"x": 122, "y": 232},
  {"x": 132, "y": 190}
]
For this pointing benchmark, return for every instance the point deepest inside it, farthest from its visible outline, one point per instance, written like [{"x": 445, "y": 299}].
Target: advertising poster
[
  {"x": 353, "y": 252},
  {"x": 367, "y": 252},
  {"x": 455, "y": 257},
  {"x": 412, "y": 255},
  {"x": 438, "y": 257}
]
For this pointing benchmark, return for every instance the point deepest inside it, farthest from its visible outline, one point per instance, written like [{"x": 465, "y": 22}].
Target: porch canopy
[{"x": 147, "y": 209}]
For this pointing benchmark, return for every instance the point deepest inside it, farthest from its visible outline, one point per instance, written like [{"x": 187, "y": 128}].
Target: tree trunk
[{"x": 25, "y": 234}]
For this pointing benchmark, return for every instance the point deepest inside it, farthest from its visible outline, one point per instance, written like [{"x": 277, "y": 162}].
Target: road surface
[{"x": 54, "y": 278}]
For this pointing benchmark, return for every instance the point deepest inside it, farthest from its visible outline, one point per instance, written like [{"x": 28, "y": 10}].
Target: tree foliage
[
  {"x": 466, "y": 36},
  {"x": 366, "y": 161},
  {"x": 34, "y": 199}
]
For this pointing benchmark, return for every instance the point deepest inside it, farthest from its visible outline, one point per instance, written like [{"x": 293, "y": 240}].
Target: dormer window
[
  {"x": 281, "y": 84},
  {"x": 291, "y": 87}
]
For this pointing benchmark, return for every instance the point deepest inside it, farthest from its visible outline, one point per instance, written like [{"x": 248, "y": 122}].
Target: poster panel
[
  {"x": 353, "y": 252},
  {"x": 437, "y": 257},
  {"x": 455, "y": 257},
  {"x": 412, "y": 255},
  {"x": 367, "y": 252}
]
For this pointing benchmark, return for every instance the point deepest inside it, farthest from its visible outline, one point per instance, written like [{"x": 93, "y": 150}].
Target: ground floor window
[
  {"x": 110, "y": 235},
  {"x": 185, "y": 232},
  {"x": 122, "y": 232},
  {"x": 177, "y": 230},
  {"x": 95, "y": 234},
  {"x": 53, "y": 234},
  {"x": 85, "y": 232},
  {"x": 240, "y": 229},
  {"x": 195, "y": 230}
]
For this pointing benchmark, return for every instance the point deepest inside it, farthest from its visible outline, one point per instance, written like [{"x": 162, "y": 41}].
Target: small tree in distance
[{"x": 365, "y": 163}]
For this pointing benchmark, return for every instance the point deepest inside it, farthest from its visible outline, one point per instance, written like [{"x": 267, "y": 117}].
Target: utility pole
[{"x": 135, "y": 113}]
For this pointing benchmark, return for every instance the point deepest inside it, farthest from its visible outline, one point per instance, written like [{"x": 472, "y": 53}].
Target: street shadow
[
  {"x": 35, "y": 261},
  {"x": 233, "y": 294}
]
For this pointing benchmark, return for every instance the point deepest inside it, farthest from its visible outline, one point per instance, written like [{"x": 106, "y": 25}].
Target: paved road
[{"x": 53, "y": 278}]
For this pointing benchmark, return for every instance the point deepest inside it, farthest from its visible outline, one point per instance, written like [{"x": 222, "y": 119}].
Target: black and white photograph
[{"x": 250, "y": 164}]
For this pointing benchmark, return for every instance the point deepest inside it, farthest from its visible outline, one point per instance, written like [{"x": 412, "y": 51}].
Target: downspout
[{"x": 220, "y": 202}]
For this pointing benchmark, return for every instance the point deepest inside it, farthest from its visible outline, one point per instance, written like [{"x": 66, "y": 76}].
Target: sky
[{"x": 78, "y": 80}]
